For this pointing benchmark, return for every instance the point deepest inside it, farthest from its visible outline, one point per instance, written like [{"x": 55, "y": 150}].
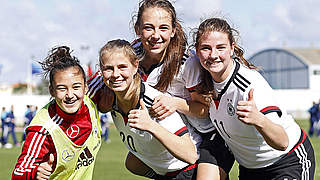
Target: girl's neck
[
  {"x": 150, "y": 60},
  {"x": 128, "y": 99}
]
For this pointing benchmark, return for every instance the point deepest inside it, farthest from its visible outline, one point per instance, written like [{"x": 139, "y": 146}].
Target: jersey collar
[
  {"x": 236, "y": 69},
  {"x": 70, "y": 117}
]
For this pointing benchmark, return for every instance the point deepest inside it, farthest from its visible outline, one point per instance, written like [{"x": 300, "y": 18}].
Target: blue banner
[{"x": 36, "y": 68}]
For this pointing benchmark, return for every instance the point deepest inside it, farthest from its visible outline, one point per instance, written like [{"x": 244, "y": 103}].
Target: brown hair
[
  {"x": 59, "y": 58},
  {"x": 219, "y": 25},
  {"x": 177, "y": 46}
]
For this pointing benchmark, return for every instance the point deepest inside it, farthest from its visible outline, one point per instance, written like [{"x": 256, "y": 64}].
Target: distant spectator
[
  {"x": 28, "y": 116},
  {"x": 3, "y": 117},
  {"x": 35, "y": 110},
  {"x": 317, "y": 123},
  {"x": 104, "y": 119},
  {"x": 313, "y": 117},
  {"x": 10, "y": 129}
]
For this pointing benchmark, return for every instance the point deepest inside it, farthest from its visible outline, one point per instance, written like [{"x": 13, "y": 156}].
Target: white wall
[
  {"x": 315, "y": 78},
  {"x": 297, "y": 102}
]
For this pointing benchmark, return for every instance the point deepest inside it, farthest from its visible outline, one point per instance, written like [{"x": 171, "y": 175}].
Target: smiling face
[
  {"x": 68, "y": 89},
  {"x": 215, "y": 53},
  {"x": 118, "y": 71},
  {"x": 155, "y": 31}
]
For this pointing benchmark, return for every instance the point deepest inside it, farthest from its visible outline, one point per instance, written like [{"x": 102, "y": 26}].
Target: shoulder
[
  {"x": 89, "y": 102},
  {"x": 149, "y": 93},
  {"x": 44, "y": 114},
  {"x": 191, "y": 63},
  {"x": 247, "y": 78},
  {"x": 31, "y": 130},
  {"x": 95, "y": 85}
]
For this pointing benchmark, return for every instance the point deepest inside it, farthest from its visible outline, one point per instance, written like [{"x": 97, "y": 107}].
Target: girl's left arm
[{"x": 274, "y": 134}]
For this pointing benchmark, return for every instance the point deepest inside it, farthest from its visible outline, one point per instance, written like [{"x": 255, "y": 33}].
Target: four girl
[{"x": 164, "y": 121}]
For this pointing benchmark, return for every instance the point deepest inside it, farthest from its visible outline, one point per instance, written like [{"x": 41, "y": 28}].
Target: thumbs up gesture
[
  {"x": 247, "y": 111},
  {"x": 45, "y": 169},
  {"x": 140, "y": 118}
]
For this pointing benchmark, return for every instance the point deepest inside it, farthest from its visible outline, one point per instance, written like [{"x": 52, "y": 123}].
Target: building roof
[{"x": 309, "y": 56}]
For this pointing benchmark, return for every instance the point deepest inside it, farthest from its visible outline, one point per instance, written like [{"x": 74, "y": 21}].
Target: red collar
[{"x": 71, "y": 117}]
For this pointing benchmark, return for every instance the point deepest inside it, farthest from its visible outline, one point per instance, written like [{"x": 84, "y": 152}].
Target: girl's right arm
[
  {"x": 178, "y": 144},
  {"x": 106, "y": 98},
  {"x": 100, "y": 94},
  {"x": 36, "y": 150},
  {"x": 190, "y": 79}
]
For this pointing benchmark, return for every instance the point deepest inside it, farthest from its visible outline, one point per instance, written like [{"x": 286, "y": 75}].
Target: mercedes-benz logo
[
  {"x": 67, "y": 155},
  {"x": 73, "y": 131}
]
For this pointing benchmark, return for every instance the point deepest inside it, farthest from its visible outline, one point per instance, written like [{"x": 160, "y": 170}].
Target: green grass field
[{"x": 110, "y": 160}]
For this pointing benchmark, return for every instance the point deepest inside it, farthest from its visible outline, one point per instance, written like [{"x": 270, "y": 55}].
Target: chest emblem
[
  {"x": 67, "y": 155},
  {"x": 73, "y": 131},
  {"x": 230, "y": 109}
]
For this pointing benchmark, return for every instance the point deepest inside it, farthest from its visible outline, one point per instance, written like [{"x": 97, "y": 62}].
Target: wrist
[
  {"x": 152, "y": 126},
  {"x": 260, "y": 121},
  {"x": 180, "y": 104}
]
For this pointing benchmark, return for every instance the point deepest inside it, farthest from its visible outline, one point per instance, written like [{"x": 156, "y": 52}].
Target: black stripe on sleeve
[{"x": 182, "y": 131}]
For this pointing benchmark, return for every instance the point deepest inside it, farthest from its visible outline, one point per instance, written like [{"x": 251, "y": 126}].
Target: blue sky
[{"x": 29, "y": 28}]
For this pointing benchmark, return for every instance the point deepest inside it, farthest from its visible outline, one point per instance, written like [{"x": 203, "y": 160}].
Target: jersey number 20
[{"x": 128, "y": 140}]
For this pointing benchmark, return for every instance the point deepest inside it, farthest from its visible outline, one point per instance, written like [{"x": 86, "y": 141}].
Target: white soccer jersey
[
  {"x": 142, "y": 144},
  {"x": 187, "y": 79},
  {"x": 246, "y": 143}
]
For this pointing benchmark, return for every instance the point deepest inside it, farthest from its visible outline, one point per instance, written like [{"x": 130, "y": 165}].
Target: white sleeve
[
  {"x": 264, "y": 98},
  {"x": 174, "y": 124},
  {"x": 192, "y": 72}
]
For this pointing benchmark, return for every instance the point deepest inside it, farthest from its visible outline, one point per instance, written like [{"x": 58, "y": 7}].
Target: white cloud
[
  {"x": 282, "y": 12},
  {"x": 33, "y": 27},
  {"x": 192, "y": 11}
]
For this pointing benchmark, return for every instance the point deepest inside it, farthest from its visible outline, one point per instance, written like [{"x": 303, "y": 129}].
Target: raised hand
[
  {"x": 140, "y": 118},
  {"x": 45, "y": 169},
  {"x": 247, "y": 110},
  {"x": 162, "y": 107}
]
